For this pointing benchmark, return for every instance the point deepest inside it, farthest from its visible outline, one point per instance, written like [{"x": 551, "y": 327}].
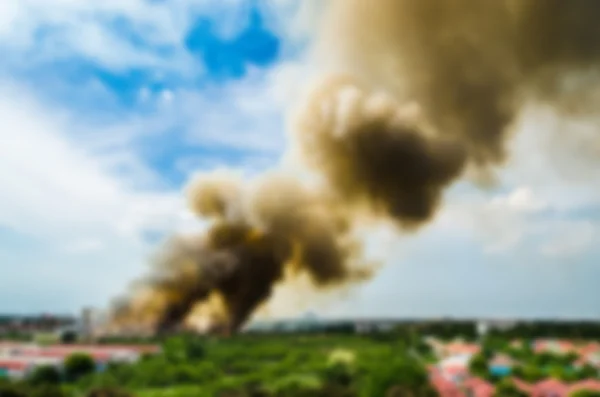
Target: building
[
  {"x": 455, "y": 368},
  {"x": 477, "y": 387},
  {"x": 28, "y": 326},
  {"x": 460, "y": 349},
  {"x": 590, "y": 384},
  {"x": 19, "y": 359},
  {"x": 443, "y": 386},
  {"x": 554, "y": 346}
]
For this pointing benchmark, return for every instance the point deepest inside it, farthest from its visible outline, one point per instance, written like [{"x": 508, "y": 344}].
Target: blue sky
[{"x": 110, "y": 107}]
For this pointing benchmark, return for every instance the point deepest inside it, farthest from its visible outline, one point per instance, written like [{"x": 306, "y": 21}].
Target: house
[
  {"x": 15, "y": 369},
  {"x": 443, "y": 386},
  {"x": 589, "y": 349},
  {"x": 589, "y": 354},
  {"x": 455, "y": 368},
  {"x": 589, "y": 384},
  {"x": 592, "y": 360},
  {"x": 522, "y": 385},
  {"x": 555, "y": 388},
  {"x": 550, "y": 388},
  {"x": 477, "y": 387},
  {"x": 19, "y": 359},
  {"x": 516, "y": 344},
  {"x": 19, "y": 367},
  {"x": 460, "y": 348},
  {"x": 436, "y": 345},
  {"x": 554, "y": 346}
]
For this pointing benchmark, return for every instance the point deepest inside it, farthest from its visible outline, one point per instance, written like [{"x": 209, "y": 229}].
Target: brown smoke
[
  {"x": 467, "y": 67},
  {"x": 376, "y": 157},
  {"x": 254, "y": 238}
]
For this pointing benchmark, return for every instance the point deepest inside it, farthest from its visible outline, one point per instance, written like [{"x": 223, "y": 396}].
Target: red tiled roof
[
  {"x": 549, "y": 386},
  {"x": 455, "y": 370},
  {"x": 522, "y": 385},
  {"x": 445, "y": 388},
  {"x": 589, "y": 348},
  {"x": 63, "y": 354},
  {"x": 561, "y": 345},
  {"x": 135, "y": 348},
  {"x": 479, "y": 387},
  {"x": 589, "y": 384},
  {"x": 98, "y": 353},
  {"x": 475, "y": 381},
  {"x": 468, "y": 348},
  {"x": 14, "y": 365},
  {"x": 566, "y": 344}
]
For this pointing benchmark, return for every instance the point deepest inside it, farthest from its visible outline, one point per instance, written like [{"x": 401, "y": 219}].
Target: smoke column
[{"x": 418, "y": 93}]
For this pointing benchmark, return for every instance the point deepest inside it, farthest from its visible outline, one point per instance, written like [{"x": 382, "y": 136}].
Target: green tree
[
  {"x": 45, "y": 375},
  {"x": 182, "y": 348},
  {"x": 397, "y": 376},
  {"x": 402, "y": 391},
  {"x": 10, "y": 390},
  {"x": 478, "y": 366},
  {"x": 69, "y": 337},
  {"x": 528, "y": 373},
  {"x": 47, "y": 390},
  {"x": 585, "y": 393},
  {"x": 522, "y": 353},
  {"x": 423, "y": 348},
  {"x": 585, "y": 372},
  {"x": 507, "y": 388},
  {"x": 108, "y": 392},
  {"x": 155, "y": 372},
  {"x": 562, "y": 373},
  {"x": 569, "y": 358},
  {"x": 547, "y": 359},
  {"x": 338, "y": 374},
  {"x": 78, "y": 365}
]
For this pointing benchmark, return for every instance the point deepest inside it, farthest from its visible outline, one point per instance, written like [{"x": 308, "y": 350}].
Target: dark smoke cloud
[
  {"x": 278, "y": 226},
  {"x": 374, "y": 156},
  {"x": 420, "y": 92},
  {"x": 469, "y": 64}
]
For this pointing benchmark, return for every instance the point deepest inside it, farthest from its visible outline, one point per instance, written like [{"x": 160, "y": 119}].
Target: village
[
  {"x": 454, "y": 375},
  {"x": 542, "y": 368}
]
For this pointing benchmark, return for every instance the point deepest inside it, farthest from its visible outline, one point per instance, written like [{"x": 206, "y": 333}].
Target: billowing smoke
[
  {"x": 419, "y": 93},
  {"x": 257, "y": 235}
]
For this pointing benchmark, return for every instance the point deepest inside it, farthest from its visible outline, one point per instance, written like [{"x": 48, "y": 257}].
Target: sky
[{"x": 109, "y": 108}]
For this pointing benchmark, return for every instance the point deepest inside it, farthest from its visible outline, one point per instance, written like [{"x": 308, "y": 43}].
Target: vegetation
[
  {"x": 45, "y": 375},
  {"x": 248, "y": 366},
  {"x": 585, "y": 393},
  {"x": 478, "y": 366},
  {"x": 506, "y": 388},
  {"x": 328, "y": 364},
  {"x": 78, "y": 365}
]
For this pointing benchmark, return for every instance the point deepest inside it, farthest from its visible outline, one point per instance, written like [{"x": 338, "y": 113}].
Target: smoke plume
[
  {"x": 257, "y": 234},
  {"x": 418, "y": 92}
]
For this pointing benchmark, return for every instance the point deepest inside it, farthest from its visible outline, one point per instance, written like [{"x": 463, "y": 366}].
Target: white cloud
[
  {"x": 546, "y": 179},
  {"x": 520, "y": 220},
  {"x": 520, "y": 200},
  {"x": 71, "y": 181},
  {"x": 46, "y": 29},
  {"x": 245, "y": 114},
  {"x": 84, "y": 246},
  {"x": 62, "y": 196},
  {"x": 570, "y": 239}
]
